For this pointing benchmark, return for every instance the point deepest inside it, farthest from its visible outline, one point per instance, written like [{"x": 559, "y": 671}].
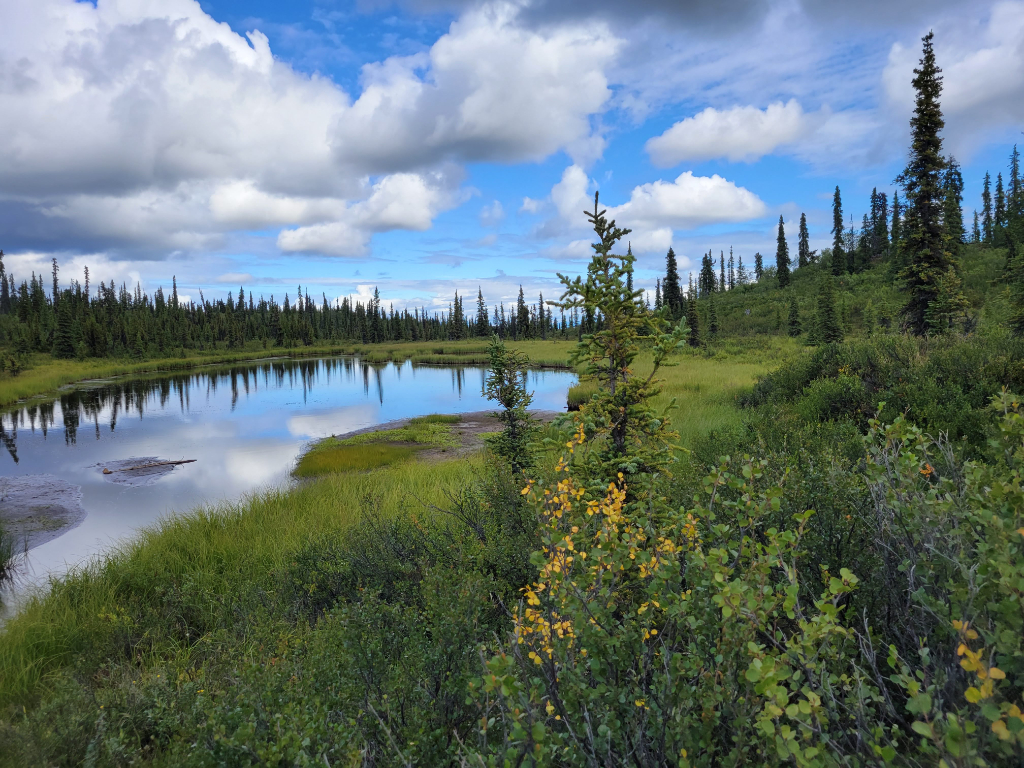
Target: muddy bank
[{"x": 36, "y": 509}]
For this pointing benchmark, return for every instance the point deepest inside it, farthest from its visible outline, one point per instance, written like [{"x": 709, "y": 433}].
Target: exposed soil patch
[{"x": 36, "y": 509}]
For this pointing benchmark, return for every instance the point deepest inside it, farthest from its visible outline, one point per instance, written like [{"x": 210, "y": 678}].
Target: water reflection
[{"x": 244, "y": 424}]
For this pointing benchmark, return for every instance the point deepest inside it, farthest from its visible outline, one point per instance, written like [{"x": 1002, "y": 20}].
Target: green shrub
[{"x": 843, "y": 397}]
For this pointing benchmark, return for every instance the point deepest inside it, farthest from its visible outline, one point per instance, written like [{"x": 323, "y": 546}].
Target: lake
[{"x": 244, "y": 425}]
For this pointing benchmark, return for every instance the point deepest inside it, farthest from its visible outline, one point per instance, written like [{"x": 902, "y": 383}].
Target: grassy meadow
[{"x": 173, "y": 581}]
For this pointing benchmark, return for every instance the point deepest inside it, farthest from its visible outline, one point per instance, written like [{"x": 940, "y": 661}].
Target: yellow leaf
[
  {"x": 973, "y": 695},
  {"x": 1000, "y": 730},
  {"x": 997, "y": 674}
]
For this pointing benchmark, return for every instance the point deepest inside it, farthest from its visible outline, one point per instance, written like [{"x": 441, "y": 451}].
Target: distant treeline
[{"x": 112, "y": 321}]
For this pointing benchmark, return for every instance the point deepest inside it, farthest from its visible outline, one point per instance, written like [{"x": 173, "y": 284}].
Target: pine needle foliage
[
  {"x": 621, "y": 411},
  {"x": 922, "y": 182}
]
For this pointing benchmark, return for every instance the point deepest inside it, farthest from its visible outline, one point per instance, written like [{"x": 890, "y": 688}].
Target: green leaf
[{"x": 925, "y": 729}]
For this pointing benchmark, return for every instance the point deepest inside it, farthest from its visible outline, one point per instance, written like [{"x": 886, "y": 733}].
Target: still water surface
[{"x": 244, "y": 424}]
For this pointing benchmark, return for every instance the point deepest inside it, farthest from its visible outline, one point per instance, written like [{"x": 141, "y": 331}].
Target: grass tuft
[{"x": 352, "y": 458}]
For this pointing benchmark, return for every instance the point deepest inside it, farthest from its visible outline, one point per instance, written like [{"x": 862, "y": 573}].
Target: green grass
[
  {"x": 352, "y": 458},
  {"x": 436, "y": 418},
  {"x": 218, "y": 553},
  {"x": 380, "y": 448},
  {"x": 706, "y": 383}
]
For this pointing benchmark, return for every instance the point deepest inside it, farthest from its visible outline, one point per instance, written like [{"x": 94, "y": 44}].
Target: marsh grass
[
  {"x": 189, "y": 575},
  {"x": 353, "y": 458}
]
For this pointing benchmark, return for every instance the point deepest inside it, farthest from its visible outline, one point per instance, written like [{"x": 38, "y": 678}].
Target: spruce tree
[
  {"x": 1015, "y": 203},
  {"x": 758, "y": 267},
  {"x": 693, "y": 320},
  {"x": 795, "y": 328},
  {"x": 838, "y": 252},
  {"x": 483, "y": 325},
  {"x": 804, "y": 244},
  {"x": 523, "y": 316},
  {"x": 782, "y": 256},
  {"x": 658, "y": 301},
  {"x": 987, "y": 225},
  {"x": 999, "y": 230},
  {"x": 56, "y": 288},
  {"x": 741, "y": 273},
  {"x": 712, "y": 317},
  {"x": 721, "y": 273},
  {"x": 671, "y": 293},
  {"x": 896, "y": 230},
  {"x": 830, "y": 327},
  {"x": 952, "y": 211},
  {"x": 926, "y": 260},
  {"x": 976, "y": 230},
  {"x": 863, "y": 260},
  {"x": 732, "y": 270},
  {"x": 5, "y": 295}
]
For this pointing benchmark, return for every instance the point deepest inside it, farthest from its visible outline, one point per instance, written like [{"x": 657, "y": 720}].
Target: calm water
[{"x": 245, "y": 425}]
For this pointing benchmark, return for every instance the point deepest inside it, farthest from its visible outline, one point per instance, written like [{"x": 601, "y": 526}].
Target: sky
[{"x": 429, "y": 146}]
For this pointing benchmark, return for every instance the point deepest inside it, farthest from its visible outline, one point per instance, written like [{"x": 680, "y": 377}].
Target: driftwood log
[{"x": 148, "y": 466}]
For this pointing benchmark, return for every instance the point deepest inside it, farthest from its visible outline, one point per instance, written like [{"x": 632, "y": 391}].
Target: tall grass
[{"x": 192, "y": 569}]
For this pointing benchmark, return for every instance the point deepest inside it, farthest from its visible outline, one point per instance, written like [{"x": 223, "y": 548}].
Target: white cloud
[
  {"x": 489, "y": 89},
  {"x": 688, "y": 202},
  {"x": 399, "y": 201},
  {"x": 530, "y": 205},
  {"x": 571, "y": 195},
  {"x": 492, "y": 215},
  {"x": 739, "y": 133}
]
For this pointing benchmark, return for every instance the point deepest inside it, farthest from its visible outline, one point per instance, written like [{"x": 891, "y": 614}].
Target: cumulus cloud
[
  {"x": 530, "y": 205},
  {"x": 489, "y": 89},
  {"x": 686, "y": 203},
  {"x": 737, "y": 134},
  {"x": 399, "y": 201},
  {"x": 492, "y": 215}
]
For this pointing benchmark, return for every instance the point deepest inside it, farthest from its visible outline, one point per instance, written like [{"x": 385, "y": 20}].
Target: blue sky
[{"x": 434, "y": 145}]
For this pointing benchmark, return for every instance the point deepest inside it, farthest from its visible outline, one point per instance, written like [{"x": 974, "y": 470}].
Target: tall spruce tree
[
  {"x": 782, "y": 256},
  {"x": 712, "y": 317},
  {"x": 952, "y": 210},
  {"x": 671, "y": 293},
  {"x": 926, "y": 259},
  {"x": 741, "y": 273},
  {"x": 987, "y": 224},
  {"x": 721, "y": 273},
  {"x": 658, "y": 301},
  {"x": 838, "y": 251},
  {"x": 804, "y": 244},
  {"x": 999, "y": 230},
  {"x": 693, "y": 321},
  {"x": 896, "y": 230},
  {"x": 483, "y": 326},
  {"x": 758, "y": 267},
  {"x": 830, "y": 326},
  {"x": 976, "y": 230},
  {"x": 732, "y": 270},
  {"x": 523, "y": 316},
  {"x": 794, "y": 326},
  {"x": 1015, "y": 199}
]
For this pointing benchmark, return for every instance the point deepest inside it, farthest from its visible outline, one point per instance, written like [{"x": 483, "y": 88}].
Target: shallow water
[{"x": 244, "y": 424}]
